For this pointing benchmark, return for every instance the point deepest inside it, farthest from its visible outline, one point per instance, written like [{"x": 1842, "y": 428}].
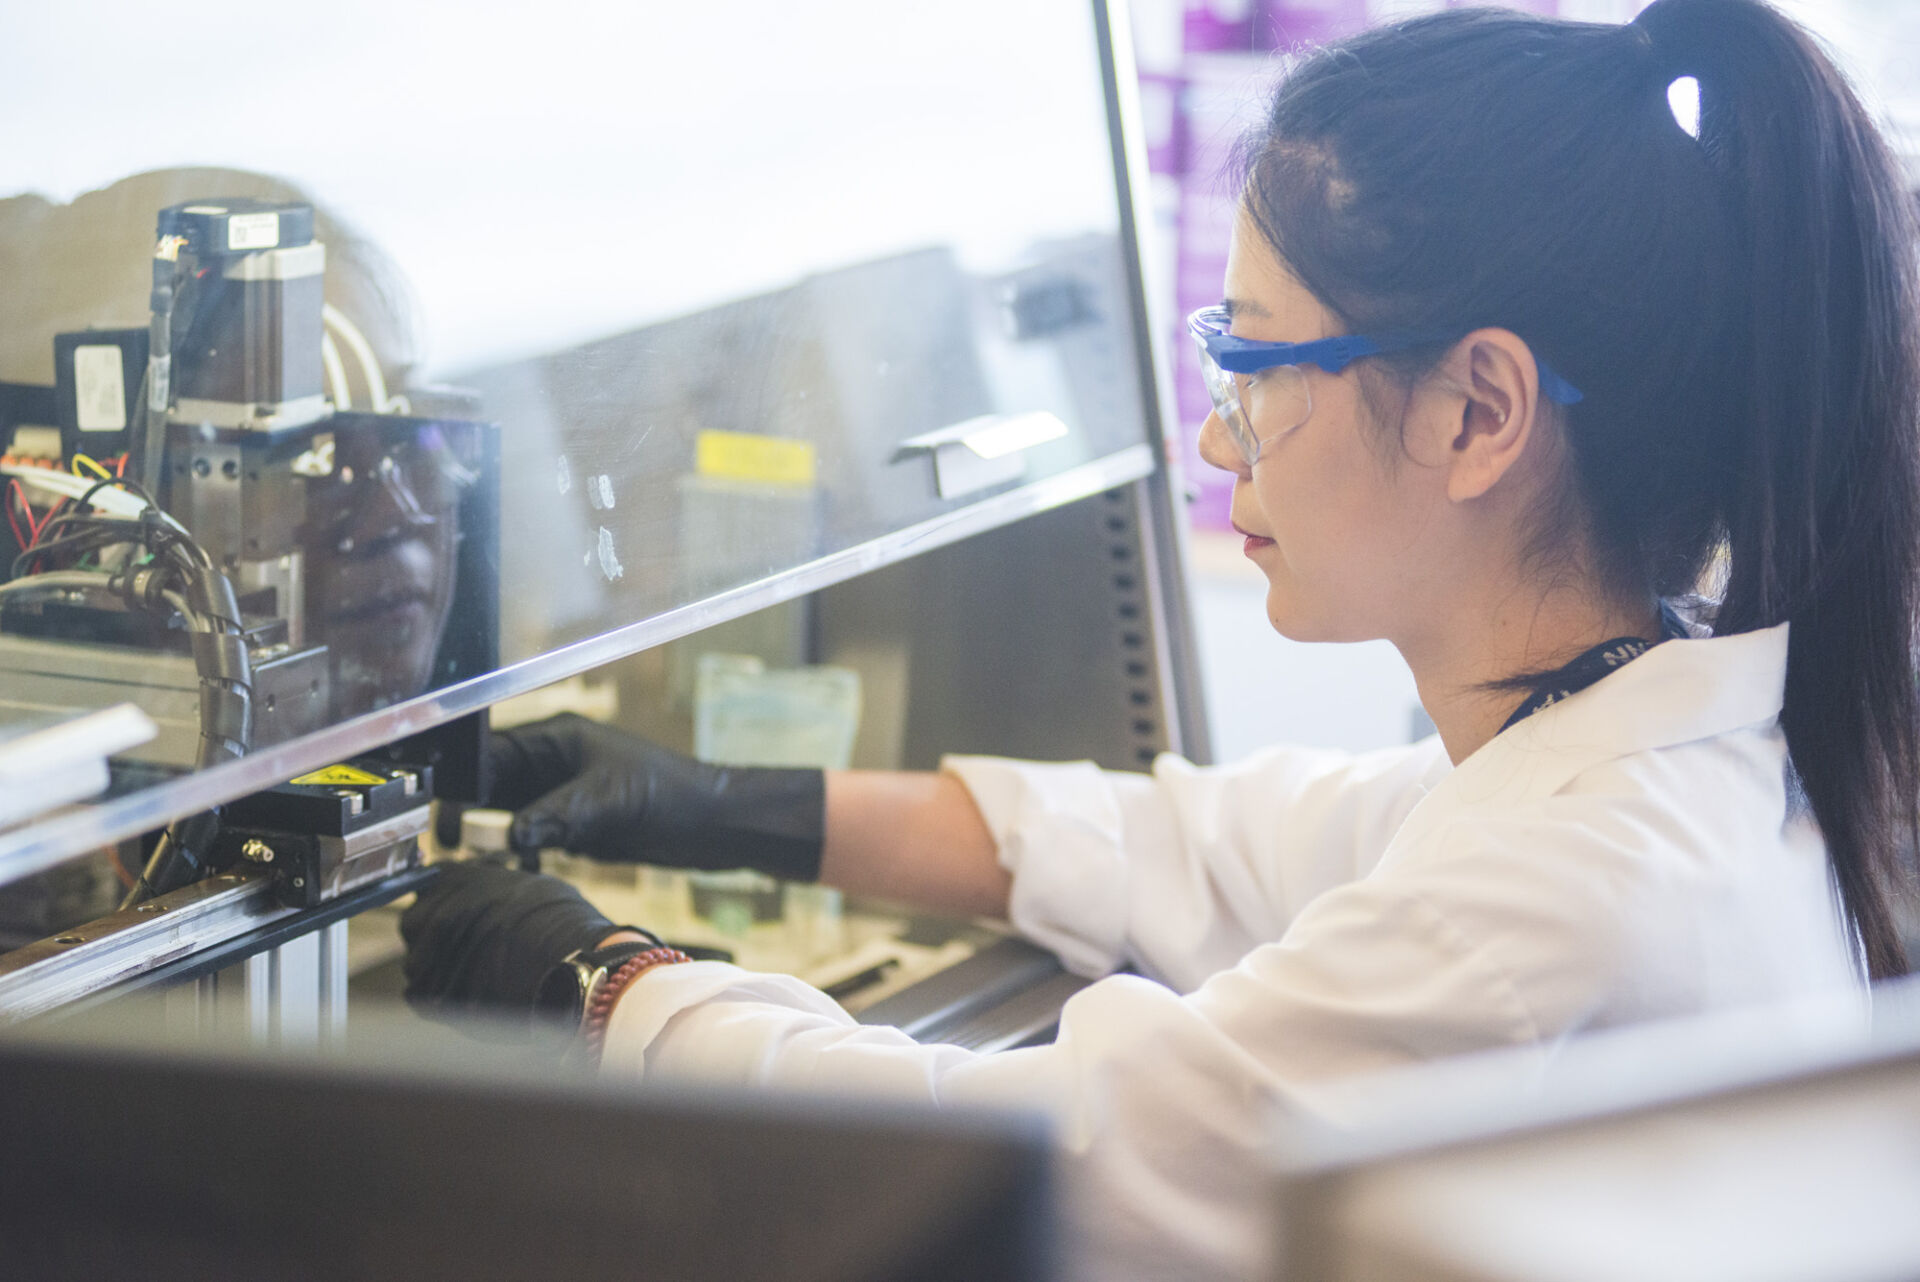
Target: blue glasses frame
[{"x": 1230, "y": 354}]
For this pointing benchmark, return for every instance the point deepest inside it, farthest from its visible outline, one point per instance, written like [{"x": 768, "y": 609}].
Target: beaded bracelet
[{"x": 595, "y": 1028}]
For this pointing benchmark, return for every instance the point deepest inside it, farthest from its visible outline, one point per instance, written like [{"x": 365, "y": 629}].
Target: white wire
[
  {"x": 56, "y": 580},
  {"x": 195, "y": 621},
  {"x": 336, "y": 372},
  {"x": 363, "y": 352},
  {"x": 110, "y": 499}
]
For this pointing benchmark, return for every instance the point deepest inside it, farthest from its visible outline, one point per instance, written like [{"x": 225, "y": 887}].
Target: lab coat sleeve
[
  {"x": 1180, "y": 872},
  {"x": 1161, "y": 1103}
]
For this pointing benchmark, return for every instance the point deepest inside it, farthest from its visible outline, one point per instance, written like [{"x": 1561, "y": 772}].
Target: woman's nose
[{"x": 1217, "y": 448}]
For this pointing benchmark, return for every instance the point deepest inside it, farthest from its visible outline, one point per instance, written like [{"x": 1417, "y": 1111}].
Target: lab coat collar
[{"x": 1678, "y": 692}]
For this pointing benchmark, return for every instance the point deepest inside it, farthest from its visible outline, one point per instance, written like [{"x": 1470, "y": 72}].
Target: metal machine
[{"x": 189, "y": 558}]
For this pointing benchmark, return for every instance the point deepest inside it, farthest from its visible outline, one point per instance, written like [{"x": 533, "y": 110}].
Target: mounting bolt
[
  {"x": 256, "y": 851},
  {"x": 299, "y": 883}
]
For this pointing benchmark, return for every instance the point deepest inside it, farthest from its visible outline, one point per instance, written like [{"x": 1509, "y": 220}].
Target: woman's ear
[{"x": 1495, "y": 405}]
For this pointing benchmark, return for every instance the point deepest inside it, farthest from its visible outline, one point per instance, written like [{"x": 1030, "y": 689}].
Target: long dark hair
[{"x": 1740, "y": 309}]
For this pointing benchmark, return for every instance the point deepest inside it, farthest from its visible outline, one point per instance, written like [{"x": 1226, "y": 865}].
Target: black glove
[
  {"x": 597, "y": 791},
  {"x": 481, "y": 937}
]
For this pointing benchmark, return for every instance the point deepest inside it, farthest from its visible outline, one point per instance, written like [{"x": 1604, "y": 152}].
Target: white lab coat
[{"x": 1629, "y": 853}]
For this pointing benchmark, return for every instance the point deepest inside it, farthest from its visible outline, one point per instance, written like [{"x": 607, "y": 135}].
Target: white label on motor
[
  {"x": 253, "y": 231},
  {"x": 100, "y": 388}
]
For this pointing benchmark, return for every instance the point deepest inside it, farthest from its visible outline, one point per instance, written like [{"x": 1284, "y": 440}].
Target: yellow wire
[{"x": 81, "y": 460}]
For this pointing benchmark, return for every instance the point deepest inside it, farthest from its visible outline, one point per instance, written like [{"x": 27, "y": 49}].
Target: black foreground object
[{"x": 135, "y": 1153}]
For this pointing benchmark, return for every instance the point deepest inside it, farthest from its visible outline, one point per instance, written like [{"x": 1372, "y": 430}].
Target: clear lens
[
  {"x": 1277, "y": 398},
  {"x": 1229, "y": 407}
]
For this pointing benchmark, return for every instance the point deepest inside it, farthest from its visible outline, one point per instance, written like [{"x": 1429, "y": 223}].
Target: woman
[{"x": 1592, "y": 362}]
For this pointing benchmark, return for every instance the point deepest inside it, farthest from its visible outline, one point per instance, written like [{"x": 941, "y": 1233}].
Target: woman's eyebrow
[{"x": 1244, "y": 307}]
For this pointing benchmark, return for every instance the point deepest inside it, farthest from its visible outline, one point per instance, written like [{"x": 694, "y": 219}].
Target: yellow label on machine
[
  {"x": 340, "y": 777},
  {"x": 744, "y": 456}
]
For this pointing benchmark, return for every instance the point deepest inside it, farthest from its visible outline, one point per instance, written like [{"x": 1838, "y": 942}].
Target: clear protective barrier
[{"x": 473, "y": 345}]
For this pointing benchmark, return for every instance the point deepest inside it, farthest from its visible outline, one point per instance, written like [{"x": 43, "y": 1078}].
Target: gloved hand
[
  {"x": 598, "y": 791},
  {"x": 480, "y": 937}
]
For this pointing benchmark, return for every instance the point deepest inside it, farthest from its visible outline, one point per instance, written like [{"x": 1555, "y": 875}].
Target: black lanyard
[{"x": 1607, "y": 657}]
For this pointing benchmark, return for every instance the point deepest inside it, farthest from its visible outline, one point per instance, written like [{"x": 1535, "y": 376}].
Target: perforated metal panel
[{"x": 1059, "y": 637}]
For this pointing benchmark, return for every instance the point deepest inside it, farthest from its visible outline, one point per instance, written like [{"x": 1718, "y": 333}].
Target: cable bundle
[{"x": 153, "y": 564}]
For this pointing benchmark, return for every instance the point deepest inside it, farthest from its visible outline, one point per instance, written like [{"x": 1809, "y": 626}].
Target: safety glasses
[{"x": 1250, "y": 381}]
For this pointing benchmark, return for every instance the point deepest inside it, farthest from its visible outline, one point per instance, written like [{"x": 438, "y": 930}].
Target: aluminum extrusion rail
[{"x": 104, "y": 952}]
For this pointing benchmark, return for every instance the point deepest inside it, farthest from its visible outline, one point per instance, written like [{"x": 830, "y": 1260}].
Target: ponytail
[
  {"x": 1740, "y": 309},
  {"x": 1824, "y": 483}
]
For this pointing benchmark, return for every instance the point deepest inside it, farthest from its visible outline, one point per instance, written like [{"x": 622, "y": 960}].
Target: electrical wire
[
  {"x": 196, "y": 622},
  {"x": 15, "y": 494},
  {"x": 336, "y": 373},
  {"x": 363, "y": 353},
  {"x": 66, "y": 485},
  {"x": 56, "y": 581},
  {"x": 52, "y": 512},
  {"x": 175, "y": 576},
  {"x": 35, "y": 525},
  {"x": 153, "y": 876},
  {"x": 163, "y": 570}
]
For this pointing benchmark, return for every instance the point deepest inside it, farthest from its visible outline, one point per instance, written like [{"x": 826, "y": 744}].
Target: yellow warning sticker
[
  {"x": 340, "y": 777},
  {"x": 745, "y": 456}
]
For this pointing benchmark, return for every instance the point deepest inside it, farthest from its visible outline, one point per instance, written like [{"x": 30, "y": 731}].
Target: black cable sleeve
[
  {"x": 226, "y": 695},
  {"x": 223, "y": 656},
  {"x": 212, "y": 595},
  {"x": 226, "y": 722},
  {"x": 179, "y": 859}
]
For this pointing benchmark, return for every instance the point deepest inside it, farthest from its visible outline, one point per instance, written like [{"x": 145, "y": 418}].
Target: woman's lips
[{"x": 1254, "y": 541}]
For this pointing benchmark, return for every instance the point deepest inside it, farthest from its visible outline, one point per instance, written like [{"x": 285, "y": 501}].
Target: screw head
[{"x": 256, "y": 851}]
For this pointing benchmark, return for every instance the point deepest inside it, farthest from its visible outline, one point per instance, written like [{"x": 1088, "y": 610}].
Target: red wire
[
  {"x": 47, "y": 520},
  {"x": 15, "y": 492}
]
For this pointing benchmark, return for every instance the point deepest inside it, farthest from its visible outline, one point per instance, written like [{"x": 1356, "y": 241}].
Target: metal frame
[
  {"x": 295, "y": 994},
  {"x": 77, "y": 963},
  {"x": 1165, "y": 542},
  {"x": 229, "y": 934}
]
